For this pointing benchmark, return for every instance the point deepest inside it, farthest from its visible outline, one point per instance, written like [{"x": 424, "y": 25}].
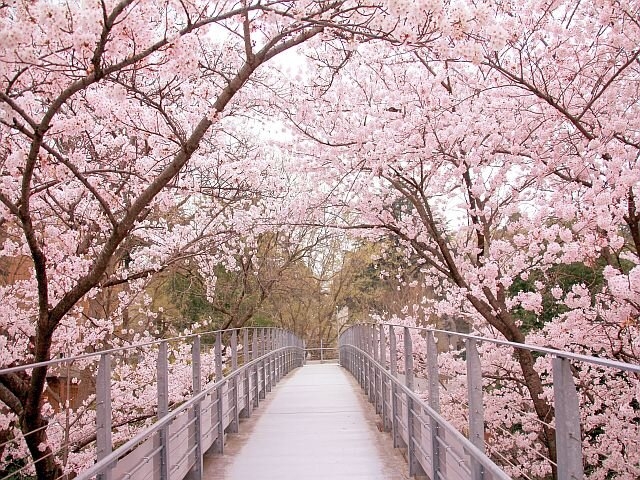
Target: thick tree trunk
[
  {"x": 33, "y": 424},
  {"x": 35, "y": 432},
  {"x": 491, "y": 306},
  {"x": 544, "y": 411}
]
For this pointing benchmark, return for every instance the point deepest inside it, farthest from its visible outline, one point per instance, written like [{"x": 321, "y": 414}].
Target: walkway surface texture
[{"x": 315, "y": 424}]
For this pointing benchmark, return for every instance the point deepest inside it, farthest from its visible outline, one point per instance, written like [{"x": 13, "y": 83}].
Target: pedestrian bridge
[
  {"x": 315, "y": 425},
  {"x": 255, "y": 408}
]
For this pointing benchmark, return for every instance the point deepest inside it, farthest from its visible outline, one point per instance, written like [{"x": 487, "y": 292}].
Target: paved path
[{"x": 315, "y": 425}]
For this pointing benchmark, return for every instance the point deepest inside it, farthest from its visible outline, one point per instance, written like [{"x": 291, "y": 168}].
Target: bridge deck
[{"x": 316, "y": 424}]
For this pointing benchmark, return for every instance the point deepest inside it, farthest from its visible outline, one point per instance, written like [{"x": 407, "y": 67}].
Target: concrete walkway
[{"x": 315, "y": 424}]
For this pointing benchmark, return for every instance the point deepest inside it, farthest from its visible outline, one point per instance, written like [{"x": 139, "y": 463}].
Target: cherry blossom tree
[
  {"x": 496, "y": 156},
  {"x": 494, "y": 141},
  {"x": 110, "y": 112}
]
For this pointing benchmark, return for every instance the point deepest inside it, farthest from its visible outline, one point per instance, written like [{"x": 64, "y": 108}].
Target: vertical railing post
[
  {"x": 286, "y": 342},
  {"x": 357, "y": 354},
  {"x": 372, "y": 369},
  {"x": 567, "y": 409},
  {"x": 393, "y": 369},
  {"x": 363, "y": 359},
  {"x": 274, "y": 343},
  {"x": 408, "y": 381},
  {"x": 476, "y": 409},
  {"x": 254, "y": 343},
  {"x": 246, "y": 353},
  {"x": 218, "y": 356},
  {"x": 256, "y": 375},
  {"x": 274, "y": 358},
  {"x": 321, "y": 352},
  {"x": 348, "y": 354},
  {"x": 280, "y": 344},
  {"x": 433, "y": 378},
  {"x": 414, "y": 466},
  {"x": 162, "y": 373},
  {"x": 263, "y": 350},
  {"x": 235, "y": 419},
  {"x": 234, "y": 350},
  {"x": 270, "y": 361},
  {"x": 219, "y": 443},
  {"x": 384, "y": 390},
  {"x": 290, "y": 342},
  {"x": 196, "y": 382},
  {"x": 280, "y": 355},
  {"x": 366, "y": 344},
  {"x": 246, "y": 412},
  {"x": 433, "y": 375},
  {"x": 352, "y": 354},
  {"x": 263, "y": 341},
  {"x": 377, "y": 375},
  {"x": 274, "y": 361},
  {"x": 103, "y": 413}
]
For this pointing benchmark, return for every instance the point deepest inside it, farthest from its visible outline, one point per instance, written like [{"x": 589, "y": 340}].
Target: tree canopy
[{"x": 444, "y": 162}]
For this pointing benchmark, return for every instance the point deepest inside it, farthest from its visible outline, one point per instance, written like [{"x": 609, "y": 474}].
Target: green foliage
[
  {"x": 564, "y": 276},
  {"x": 187, "y": 293},
  {"x": 260, "y": 319},
  {"x": 13, "y": 469}
]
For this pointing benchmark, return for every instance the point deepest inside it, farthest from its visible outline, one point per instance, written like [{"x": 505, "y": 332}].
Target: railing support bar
[
  {"x": 233, "y": 384},
  {"x": 384, "y": 390},
  {"x": 377, "y": 376},
  {"x": 567, "y": 409},
  {"x": 103, "y": 412},
  {"x": 476, "y": 409},
  {"x": 256, "y": 375},
  {"x": 433, "y": 378},
  {"x": 393, "y": 369},
  {"x": 218, "y": 446},
  {"x": 196, "y": 470},
  {"x": 163, "y": 407},
  {"x": 246, "y": 412}
]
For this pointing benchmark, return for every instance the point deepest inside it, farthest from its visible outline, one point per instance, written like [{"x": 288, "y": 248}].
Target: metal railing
[
  {"x": 321, "y": 351},
  {"x": 434, "y": 447},
  {"x": 190, "y": 420}
]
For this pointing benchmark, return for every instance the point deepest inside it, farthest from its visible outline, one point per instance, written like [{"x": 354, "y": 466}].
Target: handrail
[
  {"x": 474, "y": 451},
  {"x": 271, "y": 354},
  {"x": 374, "y": 346},
  {"x": 84, "y": 356},
  {"x": 604, "y": 362},
  {"x": 107, "y": 461}
]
